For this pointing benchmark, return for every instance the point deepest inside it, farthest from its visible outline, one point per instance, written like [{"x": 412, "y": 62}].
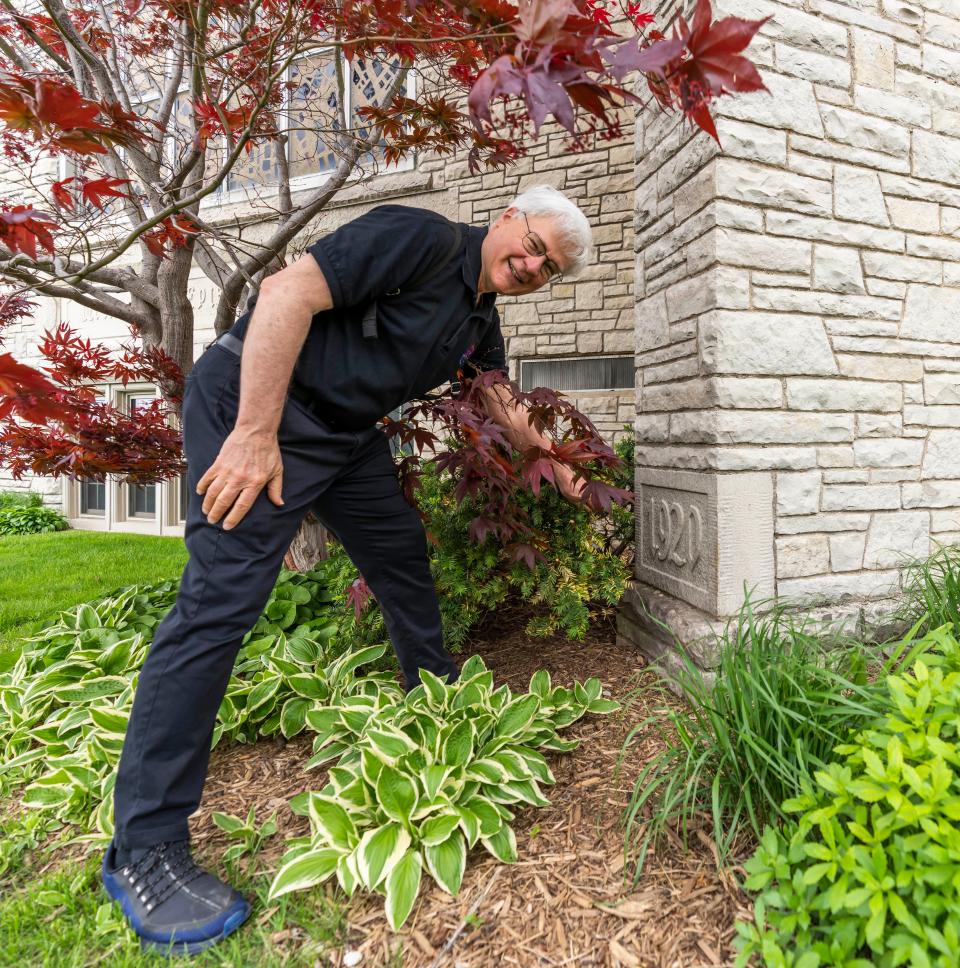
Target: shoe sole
[{"x": 173, "y": 947}]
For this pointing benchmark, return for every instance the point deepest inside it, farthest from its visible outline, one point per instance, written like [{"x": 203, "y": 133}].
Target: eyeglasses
[{"x": 549, "y": 271}]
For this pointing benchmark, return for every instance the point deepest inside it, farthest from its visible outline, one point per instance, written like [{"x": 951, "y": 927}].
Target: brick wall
[{"x": 798, "y": 295}]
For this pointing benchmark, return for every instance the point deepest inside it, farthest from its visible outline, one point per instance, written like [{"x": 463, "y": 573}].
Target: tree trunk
[{"x": 308, "y": 547}]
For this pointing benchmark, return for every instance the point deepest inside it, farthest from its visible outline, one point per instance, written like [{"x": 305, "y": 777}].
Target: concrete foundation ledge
[{"x": 654, "y": 623}]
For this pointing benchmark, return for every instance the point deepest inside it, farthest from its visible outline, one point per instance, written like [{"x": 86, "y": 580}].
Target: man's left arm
[{"x": 513, "y": 416}]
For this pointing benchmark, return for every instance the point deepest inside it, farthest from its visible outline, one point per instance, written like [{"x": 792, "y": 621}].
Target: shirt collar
[{"x": 471, "y": 265}]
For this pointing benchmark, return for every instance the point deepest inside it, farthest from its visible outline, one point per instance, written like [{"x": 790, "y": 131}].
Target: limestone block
[
  {"x": 950, "y": 220},
  {"x": 906, "y": 213},
  {"x": 908, "y": 13},
  {"x": 791, "y": 106},
  {"x": 894, "y": 475},
  {"x": 865, "y": 366},
  {"x": 906, "y": 268},
  {"x": 873, "y": 59},
  {"x": 858, "y": 197},
  {"x": 945, "y": 520},
  {"x": 894, "y": 107},
  {"x": 652, "y": 326},
  {"x": 951, "y": 275},
  {"x": 849, "y": 154},
  {"x": 936, "y": 157},
  {"x": 835, "y": 456},
  {"x": 728, "y": 458},
  {"x": 696, "y": 192},
  {"x": 702, "y": 536},
  {"x": 745, "y": 393},
  {"x": 931, "y": 313},
  {"x": 888, "y": 452},
  {"x": 944, "y": 31},
  {"x": 814, "y": 167},
  {"x": 754, "y": 142},
  {"x": 864, "y": 497},
  {"x": 841, "y": 233},
  {"x": 795, "y": 26},
  {"x": 895, "y": 539},
  {"x": 592, "y": 342},
  {"x": 837, "y": 269},
  {"x": 932, "y": 494},
  {"x": 940, "y": 388},
  {"x": 798, "y": 493},
  {"x": 762, "y": 251},
  {"x": 799, "y": 555},
  {"x": 907, "y": 56},
  {"x": 812, "y": 66},
  {"x": 879, "y": 424},
  {"x": 618, "y": 341},
  {"x": 759, "y": 427},
  {"x": 731, "y": 287},
  {"x": 589, "y": 295},
  {"x": 886, "y": 288},
  {"x": 732, "y": 216},
  {"x": 942, "y": 456},
  {"x": 846, "y": 551},
  {"x": 764, "y": 343},
  {"x": 833, "y": 588},
  {"x": 784, "y": 280},
  {"x": 811, "y": 523},
  {"x": 933, "y": 247},
  {"x": 847, "y": 475},
  {"x": 827, "y": 303},
  {"x": 894, "y": 184},
  {"x": 940, "y": 61},
  {"x": 843, "y": 395},
  {"x": 772, "y": 187}
]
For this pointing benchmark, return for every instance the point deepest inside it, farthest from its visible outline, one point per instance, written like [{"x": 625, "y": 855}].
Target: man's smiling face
[{"x": 507, "y": 267}]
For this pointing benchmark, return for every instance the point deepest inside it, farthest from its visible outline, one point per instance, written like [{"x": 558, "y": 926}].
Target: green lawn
[{"x": 42, "y": 574}]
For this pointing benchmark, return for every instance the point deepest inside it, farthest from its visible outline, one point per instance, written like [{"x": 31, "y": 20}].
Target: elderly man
[{"x": 280, "y": 418}]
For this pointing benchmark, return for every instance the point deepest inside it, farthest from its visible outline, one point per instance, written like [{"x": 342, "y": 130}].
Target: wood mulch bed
[{"x": 569, "y": 900}]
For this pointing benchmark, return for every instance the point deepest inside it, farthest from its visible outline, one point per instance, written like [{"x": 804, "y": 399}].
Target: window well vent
[{"x": 582, "y": 373}]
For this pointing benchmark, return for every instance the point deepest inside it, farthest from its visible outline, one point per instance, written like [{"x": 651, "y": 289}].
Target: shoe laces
[{"x": 162, "y": 871}]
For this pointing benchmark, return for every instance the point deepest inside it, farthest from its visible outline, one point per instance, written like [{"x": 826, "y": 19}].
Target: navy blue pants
[{"x": 348, "y": 479}]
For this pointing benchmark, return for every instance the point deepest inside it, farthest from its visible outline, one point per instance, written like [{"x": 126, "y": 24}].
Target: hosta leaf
[
  {"x": 226, "y": 821},
  {"x": 380, "y": 849},
  {"x": 433, "y": 777},
  {"x": 487, "y": 814},
  {"x": 304, "y": 871},
  {"x": 487, "y": 770},
  {"x": 90, "y": 689},
  {"x": 110, "y": 720},
  {"x": 602, "y": 706},
  {"x": 46, "y": 796},
  {"x": 293, "y": 716},
  {"x": 435, "y": 830},
  {"x": 261, "y": 693},
  {"x": 446, "y": 862},
  {"x": 389, "y": 744},
  {"x": 303, "y": 650},
  {"x": 503, "y": 845},
  {"x": 540, "y": 684},
  {"x": 469, "y": 824},
  {"x": 396, "y": 795},
  {"x": 335, "y": 823},
  {"x": 457, "y": 747},
  {"x": 436, "y": 691},
  {"x": 517, "y": 715},
  {"x": 403, "y": 885}
]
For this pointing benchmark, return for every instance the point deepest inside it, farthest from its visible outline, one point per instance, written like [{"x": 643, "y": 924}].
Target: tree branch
[{"x": 65, "y": 25}]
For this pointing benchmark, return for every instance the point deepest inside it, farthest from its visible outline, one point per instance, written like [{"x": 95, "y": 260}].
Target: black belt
[{"x": 233, "y": 344}]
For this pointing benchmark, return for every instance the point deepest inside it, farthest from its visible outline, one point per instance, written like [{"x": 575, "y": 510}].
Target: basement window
[{"x": 578, "y": 373}]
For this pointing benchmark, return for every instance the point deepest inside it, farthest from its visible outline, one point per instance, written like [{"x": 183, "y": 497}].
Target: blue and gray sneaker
[{"x": 173, "y": 905}]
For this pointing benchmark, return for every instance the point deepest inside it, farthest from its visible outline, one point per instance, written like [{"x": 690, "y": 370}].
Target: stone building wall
[{"x": 798, "y": 315}]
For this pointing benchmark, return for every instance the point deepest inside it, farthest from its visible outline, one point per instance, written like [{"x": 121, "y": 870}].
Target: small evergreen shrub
[
  {"x": 868, "y": 874},
  {"x": 31, "y": 519}
]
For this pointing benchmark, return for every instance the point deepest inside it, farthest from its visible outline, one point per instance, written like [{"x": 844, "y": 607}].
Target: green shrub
[
  {"x": 932, "y": 590},
  {"x": 31, "y": 519},
  {"x": 20, "y": 499},
  {"x": 577, "y": 568},
  {"x": 869, "y": 874},
  {"x": 419, "y": 782},
  {"x": 779, "y": 702}
]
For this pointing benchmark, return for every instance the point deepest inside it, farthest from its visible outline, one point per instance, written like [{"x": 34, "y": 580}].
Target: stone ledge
[{"x": 655, "y": 623}]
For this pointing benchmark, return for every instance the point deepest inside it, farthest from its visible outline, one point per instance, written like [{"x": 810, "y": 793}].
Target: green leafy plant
[
  {"x": 750, "y": 735},
  {"x": 31, "y": 519},
  {"x": 20, "y": 499},
  {"x": 868, "y": 873},
  {"x": 932, "y": 590},
  {"x": 250, "y": 836},
  {"x": 419, "y": 782}
]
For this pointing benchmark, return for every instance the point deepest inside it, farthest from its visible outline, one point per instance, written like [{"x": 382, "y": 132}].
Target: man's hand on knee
[{"x": 247, "y": 463}]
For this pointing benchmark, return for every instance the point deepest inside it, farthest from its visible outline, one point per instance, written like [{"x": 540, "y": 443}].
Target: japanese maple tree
[{"x": 128, "y": 126}]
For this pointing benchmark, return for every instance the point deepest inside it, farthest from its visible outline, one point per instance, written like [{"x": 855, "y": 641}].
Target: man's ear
[{"x": 505, "y": 216}]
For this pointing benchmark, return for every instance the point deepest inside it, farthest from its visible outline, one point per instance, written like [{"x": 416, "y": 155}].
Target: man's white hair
[{"x": 573, "y": 230}]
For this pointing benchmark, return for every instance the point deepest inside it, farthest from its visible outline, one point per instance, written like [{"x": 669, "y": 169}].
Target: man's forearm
[{"x": 274, "y": 337}]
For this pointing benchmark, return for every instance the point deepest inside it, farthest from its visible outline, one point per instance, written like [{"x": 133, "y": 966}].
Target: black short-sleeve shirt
[{"x": 425, "y": 333}]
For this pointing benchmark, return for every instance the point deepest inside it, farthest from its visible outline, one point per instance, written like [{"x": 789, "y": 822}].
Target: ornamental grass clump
[
  {"x": 932, "y": 590},
  {"x": 868, "y": 874},
  {"x": 747, "y": 739},
  {"x": 418, "y": 783}
]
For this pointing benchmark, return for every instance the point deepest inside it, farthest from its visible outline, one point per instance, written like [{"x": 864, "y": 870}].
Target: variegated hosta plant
[
  {"x": 64, "y": 705},
  {"x": 419, "y": 782}
]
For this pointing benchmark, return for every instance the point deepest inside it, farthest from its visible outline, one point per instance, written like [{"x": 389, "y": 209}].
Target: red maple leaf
[
  {"x": 61, "y": 197},
  {"x": 714, "y": 48},
  {"x": 95, "y": 190},
  {"x": 359, "y": 595},
  {"x": 22, "y": 228}
]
